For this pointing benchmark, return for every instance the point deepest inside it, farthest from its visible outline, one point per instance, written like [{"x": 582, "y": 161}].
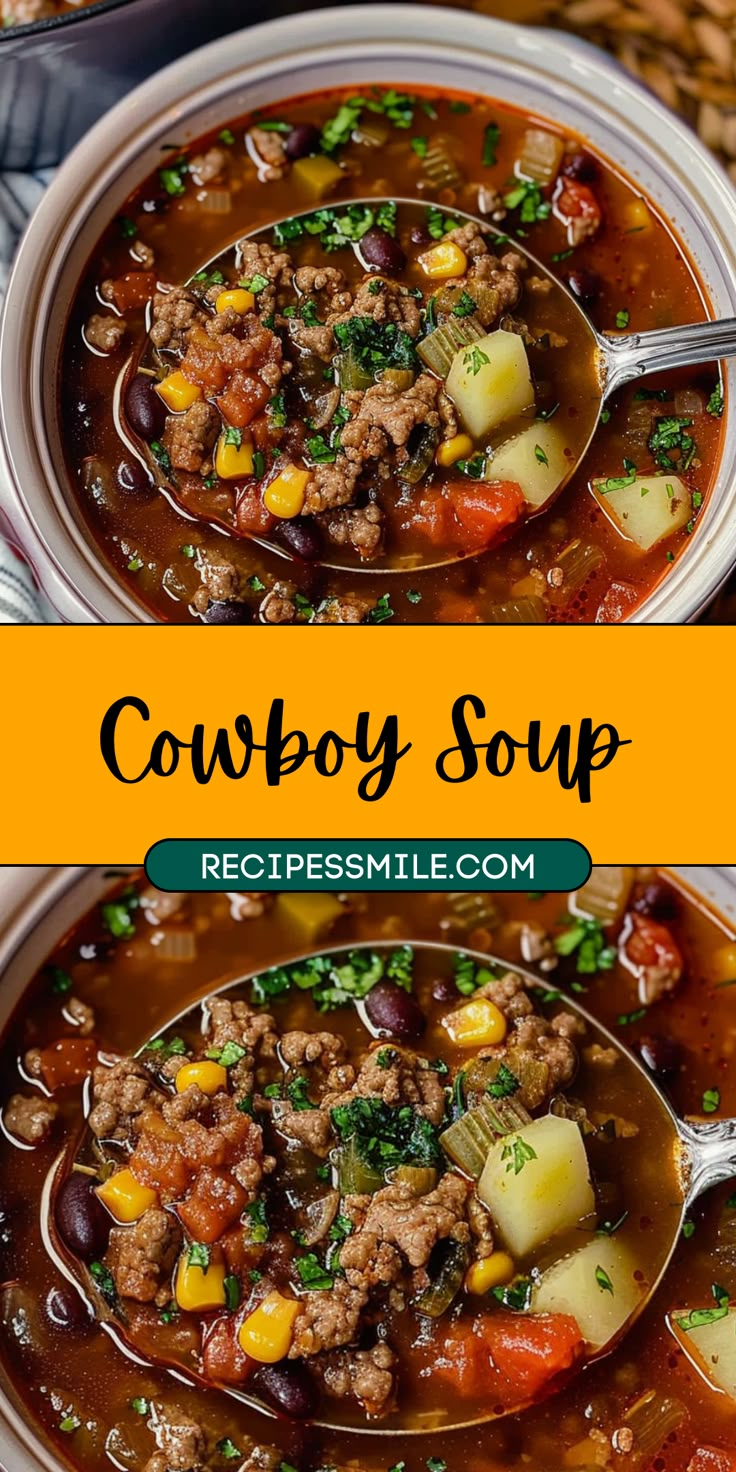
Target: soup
[
  {"x": 399, "y": 390},
  {"x": 350, "y": 1144}
]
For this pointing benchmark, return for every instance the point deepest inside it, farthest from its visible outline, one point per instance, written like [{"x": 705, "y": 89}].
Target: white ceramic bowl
[{"x": 334, "y": 48}]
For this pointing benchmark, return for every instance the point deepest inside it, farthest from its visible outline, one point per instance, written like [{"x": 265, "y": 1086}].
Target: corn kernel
[
  {"x": 443, "y": 260},
  {"x": 209, "y": 1076},
  {"x": 178, "y": 393},
  {"x": 125, "y": 1198},
  {"x": 489, "y": 1273},
  {"x": 196, "y": 1289},
  {"x": 239, "y": 299},
  {"x": 637, "y": 215},
  {"x": 477, "y": 1024},
  {"x": 458, "y": 448},
  {"x": 267, "y": 1333},
  {"x": 285, "y": 495},
  {"x": 232, "y": 460}
]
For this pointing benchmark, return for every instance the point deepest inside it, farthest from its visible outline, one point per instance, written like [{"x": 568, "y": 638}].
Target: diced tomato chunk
[
  {"x": 158, "y": 1163},
  {"x": 223, "y": 1359},
  {"x": 577, "y": 205},
  {"x": 712, "y": 1459},
  {"x": 244, "y": 397},
  {"x": 620, "y": 600},
  {"x": 202, "y": 364},
  {"x": 508, "y": 1357},
  {"x": 251, "y": 515},
  {"x": 469, "y": 515},
  {"x": 68, "y": 1061},
  {"x": 213, "y": 1204},
  {"x": 653, "y": 955},
  {"x": 133, "y": 290}
]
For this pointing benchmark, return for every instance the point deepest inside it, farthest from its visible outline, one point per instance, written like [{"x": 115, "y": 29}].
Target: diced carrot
[
  {"x": 244, "y": 397},
  {"x": 509, "y": 1357},
  {"x": 712, "y": 1459},
  {"x": 469, "y": 515},
  {"x": 133, "y": 290},
  {"x": 213, "y": 1204},
  {"x": 620, "y": 600},
  {"x": 67, "y": 1061},
  {"x": 202, "y": 364},
  {"x": 158, "y": 1163},
  {"x": 252, "y": 516},
  {"x": 223, "y": 1359}
]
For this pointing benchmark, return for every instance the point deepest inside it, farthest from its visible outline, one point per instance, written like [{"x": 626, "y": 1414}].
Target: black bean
[
  {"x": 66, "y": 1309},
  {"x": 585, "y": 285},
  {"x": 394, "y": 1011},
  {"x": 301, "y": 536},
  {"x": 419, "y": 235},
  {"x": 444, "y": 989},
  {"x": 133, "y": 479},
  {"x": 227, "y": 611},
  {"x": 288, "y": 1387},
  {"x": 662, "y": 1055},
  {"x": 379, "y": 249},
  {"x": 581, "y": 166},
  {"x": 144, "y": 408},
  {"x": 656, "y": 899},
  {"x": 304, "y": 138},
  {"x": 83, "y": 1223}
]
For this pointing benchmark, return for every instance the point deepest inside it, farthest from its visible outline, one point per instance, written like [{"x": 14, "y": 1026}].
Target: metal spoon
[{"x": 691, "y": 1155}]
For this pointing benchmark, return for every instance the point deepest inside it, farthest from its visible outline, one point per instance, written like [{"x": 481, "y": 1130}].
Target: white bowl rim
[{"x": 268, "y": 49}]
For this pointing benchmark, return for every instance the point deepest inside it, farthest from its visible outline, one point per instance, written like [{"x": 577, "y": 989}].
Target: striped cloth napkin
[{"x": 21, "y": 601}]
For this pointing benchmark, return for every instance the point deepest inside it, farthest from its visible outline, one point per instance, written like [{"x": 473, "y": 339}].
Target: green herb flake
[
  {"x": 61, "y": 981},
  {"x": 711, "y": 1101},
  {"x": 228, "y": 1449},
  {"x": 622, "y": 318},
  {"x": 127, "y": 227},
  {"x": 413, "y": 595},
  {"x": 231, "y": 1286},
  {"x": 670, "y": 444},
  {"x": 474, "y": 359},
  {"x": 199, "y": 1256},
  {"x": 540, "y": 456},
  {"x": 140, "y": 1405},
  {"x": 297, "y": 1092},
  {"x": 603, "y": 1280},
  {"x": 69, "y": 1423},
  {"x": 504, "y": 1084},
  {"x": 714, "y": 405},
  {"x": 624, "y": 1019},
  {"x": 258, "y": 1221},
  {"x": 105, "y": 1283},
  {"x": 312, "y": 1274},
  {"x": 116, "y": 918},
  {"x": 420, "y": 146},
  {"x": 465, "y": 305},
  {"x": 256, "y": 584},
  {"x": 382, "y": 611},
  {"x": 517, "y": 1153},
  {"x": 491, "y": 136},
  {"x": 227, "y": 137},
  {"x": 688, "y": 1229},
  {"x": 172, "y": 178}
]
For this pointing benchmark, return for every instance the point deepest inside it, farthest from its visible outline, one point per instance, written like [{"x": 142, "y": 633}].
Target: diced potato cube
[
  {"x": 311, "y": 914},
  {"x": 317, "y": 176},
  {"x": 534, "y": 459},
  {"x": 648, "y": 509},
  {"x": 710, "y": 1347},
  {"x": 596, "y": 1285},
  {"x": 489, "y": 381},
  {"x": 537, "y": 1183}
]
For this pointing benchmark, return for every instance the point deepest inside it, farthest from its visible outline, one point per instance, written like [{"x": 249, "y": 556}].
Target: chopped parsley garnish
[
  {"x": 188, "y": 550},
  {"x": 308, "y": 313},
  {"x": 135, "y": 564},
  {"x": 700, "y": 1316},
  {"x": 584, "y": 938},
  {"x": 439, "y": 224},
  {"x": 436, "y": 1464},
  {"x": 273, "y": 1091},
  {"x": 61, "y": 981},
  {"x": 625, "y": 1018},
  {"x": 277, "y": 411},
  {"x": 227, "y": 137},
  {"x": 460, "y": 107},
  {"x": 297, "y": 1092},
  {"x": 504, "y": 1084},
  {"x": 622, "y": 318},
  {"x": 603, "y": 1280},
  {"x": 69, "y": 1423},
  {"x": 319, "y": 451},
  {"x": 420, "y": 146},
  {"x": 233, "y": 436},
  {"x": 313, "y": 1275},
  {"x": 256, "y": 584},
  {"x": 140, "y": 1405},
  {"x": 227, "y": 1055},
  {"x": 467, "y": 975},
  {"x": 257, "y": 283},
  {"x": 169, "y": 1313},
  {"x": 174, "y": 1048},
  {"x": 465, "y": 305},
  {"x": 116, "y": 917},
  {"x": 491, "y": 135},
  {"x": 413, "y": 595},
  {"x": 332, "y": 982},
  {"x": 258, "y": 1221},
  {"x": 473, "y": 468},
  {"x": 199, "y": 1256},
  {"x": 231, "y": 1286},
  {"x": 385, "y": 1057},
  {"x": 670, "y": 444},
  {"x": 526, "y": 196},
  {"x": 105, "y": 1282},
  {"x": 619, "y": 482},
  {"x": 711, "y": 1101},
  {"x": 381, "y": 612},
  {"x": 517, "y": 1153},
  {"x": 714, "y": 405},
  {"x": 561, "y": 255},
  {"x": 474, "y": 360},
  {"x": 161, "y": 456},
  {"x": 376, "y": 345},
  {"x": 385, "y": 1137},
  {"x": 227, "y": 1448},
  {"x": 172, "y": 178},
  {"x": 400, "y": 967},
  {"x": 540, "y": 456},
  {"x": 341, "y": 1228},
  {"x": 514, "y": 1295},
  {"x": 128, "y": 227},
  {"x": 386, "y": 217},
  {"x": 688, "y": 1229}
]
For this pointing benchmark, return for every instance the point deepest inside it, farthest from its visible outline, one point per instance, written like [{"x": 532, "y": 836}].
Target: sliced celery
[
  {"x": 439, "y": 348},
  {"x": 354, "y": 1176},
  {"x": 436, "y": 1299},
  {"x": 469, "y": 1139},
  {"x": 517, "y": 611}
]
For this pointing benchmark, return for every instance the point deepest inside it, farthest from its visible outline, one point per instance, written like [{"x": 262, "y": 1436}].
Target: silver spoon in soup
[
  {"x": 441, "y": 1179},
  {"x": 383, "y": 385}
]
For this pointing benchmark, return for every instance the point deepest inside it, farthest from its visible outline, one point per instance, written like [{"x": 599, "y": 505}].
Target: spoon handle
[
  {"x": 710, "y": 1154},
  {"x": 640, "y": 353}
]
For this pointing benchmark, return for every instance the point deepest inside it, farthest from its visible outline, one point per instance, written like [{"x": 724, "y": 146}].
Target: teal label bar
[{"x": 360, "y": 864}]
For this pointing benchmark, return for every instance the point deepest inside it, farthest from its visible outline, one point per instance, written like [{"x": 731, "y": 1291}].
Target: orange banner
[{"x": 605, "y": 735}]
